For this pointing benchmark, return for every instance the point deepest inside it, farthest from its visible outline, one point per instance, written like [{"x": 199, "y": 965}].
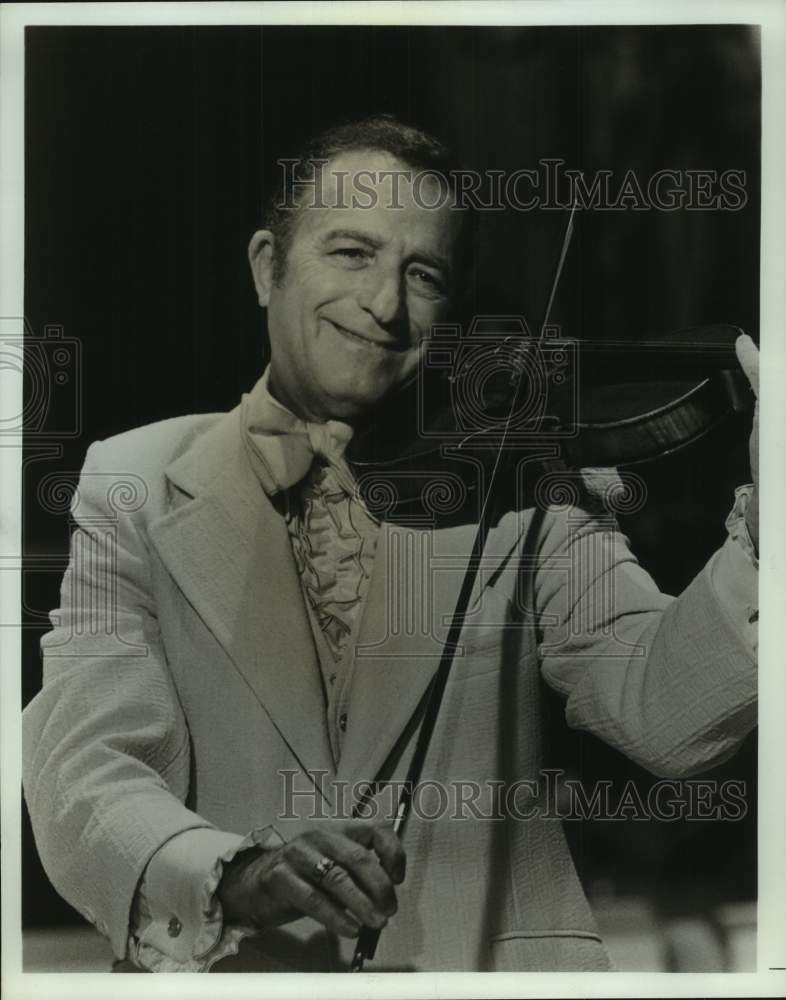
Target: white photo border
[{"x": 770, "y": 979}]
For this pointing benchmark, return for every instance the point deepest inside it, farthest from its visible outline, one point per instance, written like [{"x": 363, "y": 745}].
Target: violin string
[{"x": 566, "y": 240}]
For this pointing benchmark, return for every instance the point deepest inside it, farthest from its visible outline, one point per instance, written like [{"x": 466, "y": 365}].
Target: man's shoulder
[
  {"x": 152, "y": 447},
  {"x": 133, "y": 469}
]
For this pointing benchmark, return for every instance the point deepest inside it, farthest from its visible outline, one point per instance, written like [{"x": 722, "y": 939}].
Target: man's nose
[{"x": 384, "y": 295}]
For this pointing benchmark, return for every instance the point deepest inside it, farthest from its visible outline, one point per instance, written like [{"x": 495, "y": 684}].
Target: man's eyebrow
[
  {"x": 433, "y": 260},
  {"x": 353, "y": 234}
]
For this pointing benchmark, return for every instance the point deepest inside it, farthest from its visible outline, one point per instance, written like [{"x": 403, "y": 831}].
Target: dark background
[{"x": 148, "y": 153}]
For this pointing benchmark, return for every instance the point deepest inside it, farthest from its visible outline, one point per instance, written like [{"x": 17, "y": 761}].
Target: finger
[
  {"x": 386, "y": 845},
  {"x": 358, "y": 880},
  {"x": 343, "y": 883},
  {"x": 312, "y": 901},
  {"x": 748, "y": 357}
]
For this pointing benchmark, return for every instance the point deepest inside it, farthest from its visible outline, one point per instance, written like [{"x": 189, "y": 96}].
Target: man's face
[{"x": 361, "y": 290}]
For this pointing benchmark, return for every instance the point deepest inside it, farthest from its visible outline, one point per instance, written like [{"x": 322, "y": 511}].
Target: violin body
[{"x": 550, "y": 403}]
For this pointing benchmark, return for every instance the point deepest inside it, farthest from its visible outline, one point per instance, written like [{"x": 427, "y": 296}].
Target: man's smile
[{"x": 367, "y": 340}]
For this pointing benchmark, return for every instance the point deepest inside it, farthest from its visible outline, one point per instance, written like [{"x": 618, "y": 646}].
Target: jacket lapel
[{"x": 228, "y": 550}]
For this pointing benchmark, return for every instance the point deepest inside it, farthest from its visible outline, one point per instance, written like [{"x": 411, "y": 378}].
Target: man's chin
[
  {"x": 355, "y": 403},
  {"x": 353, "y": 392},
  {"x": 352, "y": 410}
]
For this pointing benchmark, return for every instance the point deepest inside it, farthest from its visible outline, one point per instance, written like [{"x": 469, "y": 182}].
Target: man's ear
[{"x": 260, "y": 257}]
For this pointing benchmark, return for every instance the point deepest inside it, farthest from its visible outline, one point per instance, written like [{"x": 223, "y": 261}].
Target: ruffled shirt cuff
[
  {"x": 177, "y": 919},
  {"x": 734, "y": 572}
]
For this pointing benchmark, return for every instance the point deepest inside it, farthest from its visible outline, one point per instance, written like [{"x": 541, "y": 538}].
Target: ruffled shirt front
[{"x": 334, "y": 541}]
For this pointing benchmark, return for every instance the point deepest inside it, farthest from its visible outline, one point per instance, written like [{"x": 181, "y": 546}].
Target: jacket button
[
  {"x": 342, "y": 722},
  {"x": 174, "y": 928}
]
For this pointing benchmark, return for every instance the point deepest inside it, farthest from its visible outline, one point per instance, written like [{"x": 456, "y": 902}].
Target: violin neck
[{"x": 697, "y": 353}]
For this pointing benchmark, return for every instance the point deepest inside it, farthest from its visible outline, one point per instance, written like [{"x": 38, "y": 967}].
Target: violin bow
[{"x": 369, "y": 936}]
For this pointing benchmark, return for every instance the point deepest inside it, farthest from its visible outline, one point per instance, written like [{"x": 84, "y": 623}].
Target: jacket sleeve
[
  {"x": 177, "y": 921},
  {"x": 671, "y": 682},
  {"x": 105, "y": 743}
]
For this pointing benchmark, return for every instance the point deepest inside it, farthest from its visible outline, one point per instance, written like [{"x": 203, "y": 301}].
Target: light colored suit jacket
[{"x": 181, "y": 685}]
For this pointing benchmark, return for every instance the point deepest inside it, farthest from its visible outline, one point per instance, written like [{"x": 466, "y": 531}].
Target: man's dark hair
[{"x": 412, "y": 146}]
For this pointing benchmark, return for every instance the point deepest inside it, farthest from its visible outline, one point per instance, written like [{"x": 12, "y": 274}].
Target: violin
[{"x": 426, "y": 459}]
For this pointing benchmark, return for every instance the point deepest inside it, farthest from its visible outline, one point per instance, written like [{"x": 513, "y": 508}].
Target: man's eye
[
  {"x": 350, "y": 253},
  {"x": 427, "y": 279}
]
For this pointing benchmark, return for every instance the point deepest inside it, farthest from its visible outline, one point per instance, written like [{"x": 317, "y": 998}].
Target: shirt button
[
  {"x": 174, "y": 928},
  {"x": 342, "y": 722}
]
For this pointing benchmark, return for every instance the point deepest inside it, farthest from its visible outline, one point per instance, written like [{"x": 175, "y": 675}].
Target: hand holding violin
[{"x": 748, "y": 356}]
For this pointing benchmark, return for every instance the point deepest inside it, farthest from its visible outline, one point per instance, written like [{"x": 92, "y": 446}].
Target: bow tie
[{"x": 282, "y": 447}]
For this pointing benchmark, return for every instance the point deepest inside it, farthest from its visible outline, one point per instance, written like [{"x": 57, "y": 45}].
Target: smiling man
[
  {"x": 230, "y": 664},
  {"x": 358, "y": 288}
]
